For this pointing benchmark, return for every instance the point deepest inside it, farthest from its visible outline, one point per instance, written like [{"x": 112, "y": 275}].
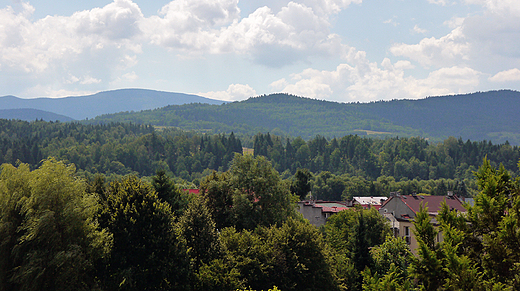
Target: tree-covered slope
[
  {"x": 484, "y": 115},
  {"x": 277, "y": 113},
  {"x": 478, "y": 116}
]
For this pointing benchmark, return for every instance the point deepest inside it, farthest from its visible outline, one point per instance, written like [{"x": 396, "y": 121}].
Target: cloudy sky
[{"x": 340, "y": 50}]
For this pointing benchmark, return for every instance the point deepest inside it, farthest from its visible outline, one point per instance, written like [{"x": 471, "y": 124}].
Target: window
[{"x": 407, "y": 237}]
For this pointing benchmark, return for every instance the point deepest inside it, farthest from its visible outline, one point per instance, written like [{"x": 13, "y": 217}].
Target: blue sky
[{"x": 340, "y": 50}]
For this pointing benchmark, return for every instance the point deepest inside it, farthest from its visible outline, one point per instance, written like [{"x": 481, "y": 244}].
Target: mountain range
[
  {"x": 90, "y": 106},
  {"x": 489, "y": 115}
]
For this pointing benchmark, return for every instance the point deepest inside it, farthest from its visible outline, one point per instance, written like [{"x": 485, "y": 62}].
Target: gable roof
[{"x": 432, "y": 202}]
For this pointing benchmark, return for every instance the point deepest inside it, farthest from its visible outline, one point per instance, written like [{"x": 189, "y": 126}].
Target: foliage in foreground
[
  {"x": 49, "y": 235},
  {"x": 57, "y": 232}
]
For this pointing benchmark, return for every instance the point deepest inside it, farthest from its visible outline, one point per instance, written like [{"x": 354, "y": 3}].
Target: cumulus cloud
[
  {"x": 292, "y": 34},
  {"x": 498, "y": 6},
  {"x": 34, "y": 46},
  {"x": 506, "y": 76},
  {"x": 368, "y": 81},
  {"x": 52, "y": 49},
  {"x": 445, "y": 51},
  {"x": 115, "y": 21},
  {"x": 485, "y": 40},
  {"x": 233, "y": 93}
]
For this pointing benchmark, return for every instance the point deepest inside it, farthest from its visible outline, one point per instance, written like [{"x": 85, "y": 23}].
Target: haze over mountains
[
  {"x": 90, "y": 106},
  {"x": 489, "y": 115}
]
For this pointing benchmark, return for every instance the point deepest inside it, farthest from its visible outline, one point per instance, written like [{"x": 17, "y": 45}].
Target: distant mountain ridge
[
  {"x": 90, "y": 106},
  {"x": 29, "y": 114},
  {"x": 489, "y": 115}
]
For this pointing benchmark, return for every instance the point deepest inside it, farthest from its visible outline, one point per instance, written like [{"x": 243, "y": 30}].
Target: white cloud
[
  {"x": 89, "y": 80},
  {"x": 512, "y": 75},
  {"x": 49, "y": 91},
  {"x": 486, "y": 40},
  {"x": 454, "y": 22},
  {"x": 419, "y": 30},
  {"x": 233, "y": 93},
  {"x": 34, "y": 46},
  {"x": 273, "y": 39},
  {"x": 106, "y": 41},
  {"x": 445, "y": 51},
  {"x": 439, "y": 2},
  {"x": 278, "y": 85},
  {"x": 115, "y": 21},
  {"x": 392, "y": 21},
  {"x": 330, "y": 6},
  {"x": 494, "y": 34},
  {"x": 366, "y": 81},
  {"x": 52, "y": 49},
  {"x": 130, "y": 77},
  {"x": 499, "y": 6},
  {"x": 191, "y": 15},
  {"x": 125, "y": 79}
]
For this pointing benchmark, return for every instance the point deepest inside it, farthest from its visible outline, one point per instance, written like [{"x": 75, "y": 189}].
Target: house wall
[
  {"x": 412, "y": 242},
  {"x": 313, "y": 214},
  {"x": 399, "y": 208}
]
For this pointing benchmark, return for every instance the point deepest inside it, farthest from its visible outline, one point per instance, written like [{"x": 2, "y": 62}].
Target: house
[
  {"x": 400, "y": 210},
  {"x": 318, "y": 211},
  {"x": 368, "y": 202}
]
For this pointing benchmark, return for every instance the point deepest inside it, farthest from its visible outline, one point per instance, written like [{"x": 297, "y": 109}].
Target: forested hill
[
  {"x": 478, "y": 116},
  {"x": 90, "y": 106}
]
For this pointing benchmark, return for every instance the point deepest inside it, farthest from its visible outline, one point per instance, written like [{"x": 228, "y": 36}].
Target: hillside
[
  {"x": 90, "y": 106},
  {"x": 477, "y": 116},
  {"x": 32, "y": 114}
]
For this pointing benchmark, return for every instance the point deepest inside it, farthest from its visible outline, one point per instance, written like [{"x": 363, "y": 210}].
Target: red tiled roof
[
  {"x": 432, "y": 202},
  {"x": 333, "y": 209}
]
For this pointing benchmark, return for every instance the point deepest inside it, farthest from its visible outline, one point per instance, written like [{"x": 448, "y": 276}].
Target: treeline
[
  {"x": 117, "y": 148},
  {"x": 339, "y": 168},
  {"x": 358, "y": 166},
  {"x": 402, "y": 158},
  {"x": 61, "y": 232}
]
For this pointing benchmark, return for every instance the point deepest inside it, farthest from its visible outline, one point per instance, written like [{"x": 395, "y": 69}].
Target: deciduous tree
[{"x": 49, "y": 235}]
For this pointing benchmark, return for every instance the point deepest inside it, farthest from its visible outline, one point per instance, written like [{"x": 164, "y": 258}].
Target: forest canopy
[{"x": 338, "y": 168}]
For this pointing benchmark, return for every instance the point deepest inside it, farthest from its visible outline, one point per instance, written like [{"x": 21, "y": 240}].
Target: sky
[{"x": 337, "y": 50}]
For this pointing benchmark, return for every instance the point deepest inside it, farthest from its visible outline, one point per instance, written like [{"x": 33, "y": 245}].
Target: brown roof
[{"x": 432, "y": 202}]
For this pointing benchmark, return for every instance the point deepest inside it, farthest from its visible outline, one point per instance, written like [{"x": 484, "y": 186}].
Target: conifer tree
[{"x": 147, "y": 253}]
